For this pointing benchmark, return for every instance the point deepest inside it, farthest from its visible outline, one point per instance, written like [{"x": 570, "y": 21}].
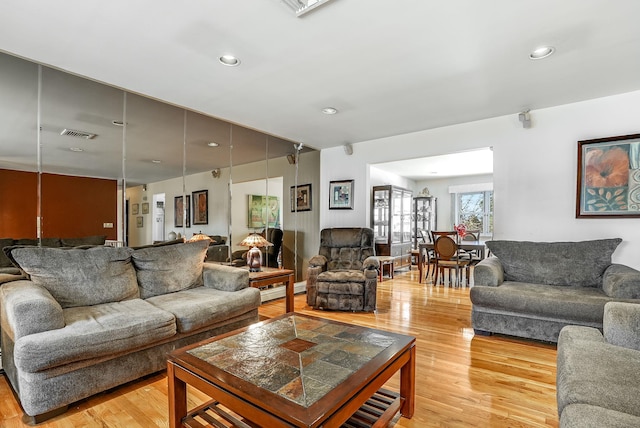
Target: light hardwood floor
[{"x": 462, "y": 380}]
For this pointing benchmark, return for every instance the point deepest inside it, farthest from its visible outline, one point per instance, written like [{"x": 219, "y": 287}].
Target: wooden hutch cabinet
[
  {"x": 424, "y": 218},
  {"x": 391, "y": 223}
]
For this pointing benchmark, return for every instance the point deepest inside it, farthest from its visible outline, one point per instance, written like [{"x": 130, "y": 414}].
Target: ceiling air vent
[{"x": 80, "y": 134}]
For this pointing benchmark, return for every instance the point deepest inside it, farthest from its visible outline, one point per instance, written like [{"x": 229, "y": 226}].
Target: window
[{"x": 475, "y": 211}]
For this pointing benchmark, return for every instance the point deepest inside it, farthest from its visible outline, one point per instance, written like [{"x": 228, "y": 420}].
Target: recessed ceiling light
[
  {"x": 156, "y": 161},
  {"x": 76, "y": 149},
  {"x": 329, "y": 110},
  {"x": 542, "y": 52},
  {"x": 117, "y": 122},
  {"x": 212, "y": 144},
  {"x": 229, "y": 60}
]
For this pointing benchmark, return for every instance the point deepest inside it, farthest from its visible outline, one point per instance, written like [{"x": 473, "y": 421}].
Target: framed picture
[
  {"x": 145, "y": 208},
  {"x": 609, "y": 177},
  {"x": 341, "y": 195},
  {"x": 139, "y": 221},
  {"x": 135, "y": 209},
  {"x": 200, "y": 207},
  {"x": 263, "y": 210},
  {"x": 178, "y": 212},
  {"x": 301, "y": 198}
]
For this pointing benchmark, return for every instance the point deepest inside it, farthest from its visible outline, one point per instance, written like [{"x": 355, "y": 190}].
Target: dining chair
[
  {"x": 426, "y": 260},
  {"x": 448, "y": 256}
]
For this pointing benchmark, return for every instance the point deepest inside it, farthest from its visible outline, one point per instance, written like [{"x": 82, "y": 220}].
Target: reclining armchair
[{"x": 344, "y": 276}]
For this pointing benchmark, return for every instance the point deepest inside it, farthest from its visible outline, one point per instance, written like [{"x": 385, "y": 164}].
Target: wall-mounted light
[
  {"x": 215, "y": 173},
  {"x": 525, "y": 118}
]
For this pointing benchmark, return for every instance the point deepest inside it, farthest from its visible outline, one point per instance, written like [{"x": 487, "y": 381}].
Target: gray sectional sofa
[
  {"x": 598, "y": 377},
  {"x": 90, "y": 319},
  {"x": 534, "y": 289}
]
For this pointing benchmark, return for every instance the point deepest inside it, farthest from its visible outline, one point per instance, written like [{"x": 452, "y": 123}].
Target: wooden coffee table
[
  {"x": 270, "y": 276},
  {"x": 293, "y": 370}
]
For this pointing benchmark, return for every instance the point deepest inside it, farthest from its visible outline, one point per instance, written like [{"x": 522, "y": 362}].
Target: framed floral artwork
[{"x": 609, "y": 177}]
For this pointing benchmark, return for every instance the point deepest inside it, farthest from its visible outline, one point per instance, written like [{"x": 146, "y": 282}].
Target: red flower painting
[{"x": 606, "y": 168}]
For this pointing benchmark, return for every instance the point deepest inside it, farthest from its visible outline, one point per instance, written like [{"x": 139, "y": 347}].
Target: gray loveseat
[
  {"x": 533, "y": 289},
  {"x": 91, "y": 319},
  {"x": 598, "y": 378}
]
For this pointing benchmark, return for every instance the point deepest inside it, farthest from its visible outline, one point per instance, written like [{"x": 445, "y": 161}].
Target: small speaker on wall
[{"x": 348, "y": 149}]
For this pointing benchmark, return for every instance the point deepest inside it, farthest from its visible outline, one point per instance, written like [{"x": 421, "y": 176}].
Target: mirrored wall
[{"x": 81, "y": 158}]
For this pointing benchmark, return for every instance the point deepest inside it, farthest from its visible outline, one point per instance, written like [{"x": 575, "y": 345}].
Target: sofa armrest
[
  {"x": 318, "y": 261},
  {"x": 621, "y": 282},
  {"x": 28, "y": 308},
  {"x": 489, "y": 272},
  {"x": 621, "y": 324},
  {"x": 371, "y": 263},
  {"x": 225, "y": 278}
]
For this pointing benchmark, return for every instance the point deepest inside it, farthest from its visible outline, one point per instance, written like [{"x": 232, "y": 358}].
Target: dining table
[{"x": 478, "y": 247}]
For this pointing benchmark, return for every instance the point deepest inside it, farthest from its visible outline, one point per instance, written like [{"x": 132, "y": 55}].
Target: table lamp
[
  {"x": 254, "y": 255},
  {"x": 201, "y": 237}
]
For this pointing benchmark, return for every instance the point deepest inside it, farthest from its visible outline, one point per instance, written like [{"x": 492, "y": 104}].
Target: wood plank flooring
[{"x": 462, "y": 380}]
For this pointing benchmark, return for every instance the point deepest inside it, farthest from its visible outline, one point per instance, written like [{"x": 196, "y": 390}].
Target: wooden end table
[
  {"x": 294, "y": 371},
  {"x": 270, "y": 276},
  {"x": 388, "y": 261}
]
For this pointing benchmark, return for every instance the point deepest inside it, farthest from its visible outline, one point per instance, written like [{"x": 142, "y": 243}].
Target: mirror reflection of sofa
[
  {"x": 7, "y": 268},
  {"x": 269, "y": 254},
  {"x": 218, "y": 251}
]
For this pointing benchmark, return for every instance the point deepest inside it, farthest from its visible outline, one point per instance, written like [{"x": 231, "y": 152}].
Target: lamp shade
[
  {"x": 201, "y": 237},
  {"x": 255, "y": 240},
  {"x": 254, "y": 256}
]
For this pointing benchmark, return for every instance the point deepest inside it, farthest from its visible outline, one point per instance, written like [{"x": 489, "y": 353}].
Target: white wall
[{"x": 534, "y": 170}]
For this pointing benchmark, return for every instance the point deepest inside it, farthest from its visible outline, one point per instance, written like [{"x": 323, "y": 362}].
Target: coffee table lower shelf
[{"x": 378, "y": 411}]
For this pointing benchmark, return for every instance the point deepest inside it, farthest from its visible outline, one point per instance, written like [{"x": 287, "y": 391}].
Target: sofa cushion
[
  {"x": 598, "y": 374},
  {"x": 94, "y": 332},
  {"x": 203, "y": 307},
  {"x": 576, "y": 304},
  {"x": 555, "y": 263},
  {"x": 85, "y": 240},
  {"x": 80, "y": 277},
  {"x": 587, "y": 416},
  {"x": 169, "y": 268}
]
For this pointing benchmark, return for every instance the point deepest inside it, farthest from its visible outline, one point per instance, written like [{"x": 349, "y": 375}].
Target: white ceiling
[
  {"x": 471, "y": 162},
  {"x": 389, "y": 67}
]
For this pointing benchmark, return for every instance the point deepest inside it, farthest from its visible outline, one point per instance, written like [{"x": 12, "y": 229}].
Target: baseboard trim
[{"x": 278, "y": 292}]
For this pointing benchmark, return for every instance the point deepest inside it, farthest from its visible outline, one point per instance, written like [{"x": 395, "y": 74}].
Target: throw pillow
[
  {"x": 80, "y": 277},
  {"x": 170, "y": 268},
  {"x": 555, "y": 263}
]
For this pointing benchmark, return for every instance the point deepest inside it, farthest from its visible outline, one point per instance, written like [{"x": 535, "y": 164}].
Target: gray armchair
[{"x": 344, "y": 275}]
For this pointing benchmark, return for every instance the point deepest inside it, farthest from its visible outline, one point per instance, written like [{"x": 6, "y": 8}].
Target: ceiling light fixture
[
  {"x": 300, "y": 7},
  {"x": 229, "y": 60},
  {"x": 542, "y": 52},
  {"x": 76, "y": 149},
  {"x": 117, "y": 123},
  {"x": 329, "y": 110},
  {"x": 212, "y": 144},
  {"x": 156, "y": 161}
]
